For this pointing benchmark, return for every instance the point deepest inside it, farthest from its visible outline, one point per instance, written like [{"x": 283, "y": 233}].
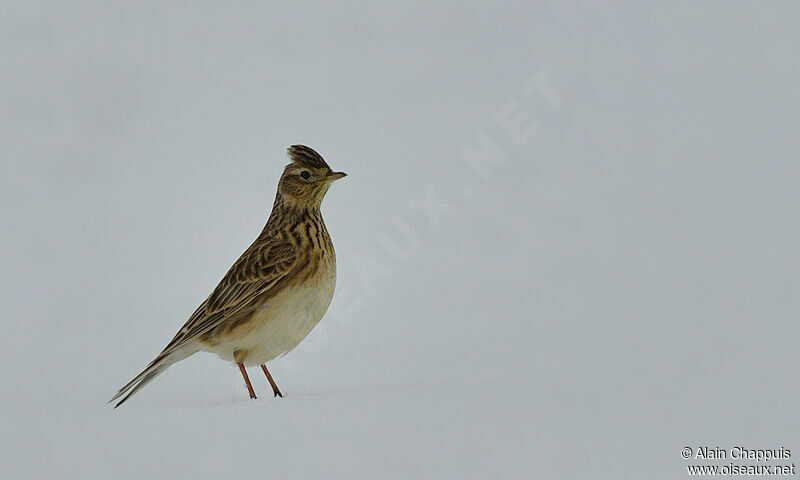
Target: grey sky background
[{"x": 623, "y": 286}]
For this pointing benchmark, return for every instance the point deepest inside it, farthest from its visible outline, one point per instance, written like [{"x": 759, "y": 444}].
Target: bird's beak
[{"x": 333, "y": 176}]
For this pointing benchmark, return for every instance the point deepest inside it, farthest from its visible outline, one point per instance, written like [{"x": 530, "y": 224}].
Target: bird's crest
[{"x": 306, "y": 157}]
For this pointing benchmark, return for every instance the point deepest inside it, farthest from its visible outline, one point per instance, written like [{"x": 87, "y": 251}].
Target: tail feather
[
  {"x": 156, "y": 367},
  {"x": 137, "y": 386}
]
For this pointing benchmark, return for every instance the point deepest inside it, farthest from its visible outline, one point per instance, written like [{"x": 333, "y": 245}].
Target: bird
[{"x": 274, "y": 294}]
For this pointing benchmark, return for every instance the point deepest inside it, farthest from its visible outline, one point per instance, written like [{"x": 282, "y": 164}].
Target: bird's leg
[
  {"x": 247, "y": 380},
  {"x": 275, "y": 389}
]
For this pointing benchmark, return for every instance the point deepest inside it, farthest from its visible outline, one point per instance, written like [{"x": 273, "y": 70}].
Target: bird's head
[{"x": 306, "y": 180}]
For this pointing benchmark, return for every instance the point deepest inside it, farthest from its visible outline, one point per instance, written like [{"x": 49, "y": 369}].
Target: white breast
[{"x": 283, "y": 321}]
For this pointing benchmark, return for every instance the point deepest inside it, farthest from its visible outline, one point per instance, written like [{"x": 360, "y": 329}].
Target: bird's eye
[{"x": 305, "y": 174}]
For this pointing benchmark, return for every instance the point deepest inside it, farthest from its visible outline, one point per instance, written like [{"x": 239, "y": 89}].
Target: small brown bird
[{"x": 277, "y": 291}]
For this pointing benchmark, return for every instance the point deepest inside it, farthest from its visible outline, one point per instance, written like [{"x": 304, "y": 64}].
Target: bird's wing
[{"x": 258, "y": 270}]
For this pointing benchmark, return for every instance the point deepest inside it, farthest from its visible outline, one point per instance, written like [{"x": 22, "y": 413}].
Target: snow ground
[{"x": 623, "y": 285}]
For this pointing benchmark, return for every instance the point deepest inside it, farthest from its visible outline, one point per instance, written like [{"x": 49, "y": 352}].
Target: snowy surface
[{"x": 624, "y": 285}]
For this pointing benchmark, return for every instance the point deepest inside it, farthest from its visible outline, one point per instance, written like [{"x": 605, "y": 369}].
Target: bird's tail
[{"x": 156, "y": 368}]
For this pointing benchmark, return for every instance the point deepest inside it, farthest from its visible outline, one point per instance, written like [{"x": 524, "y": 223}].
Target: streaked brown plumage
[{"x": 275, "y": 293}]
